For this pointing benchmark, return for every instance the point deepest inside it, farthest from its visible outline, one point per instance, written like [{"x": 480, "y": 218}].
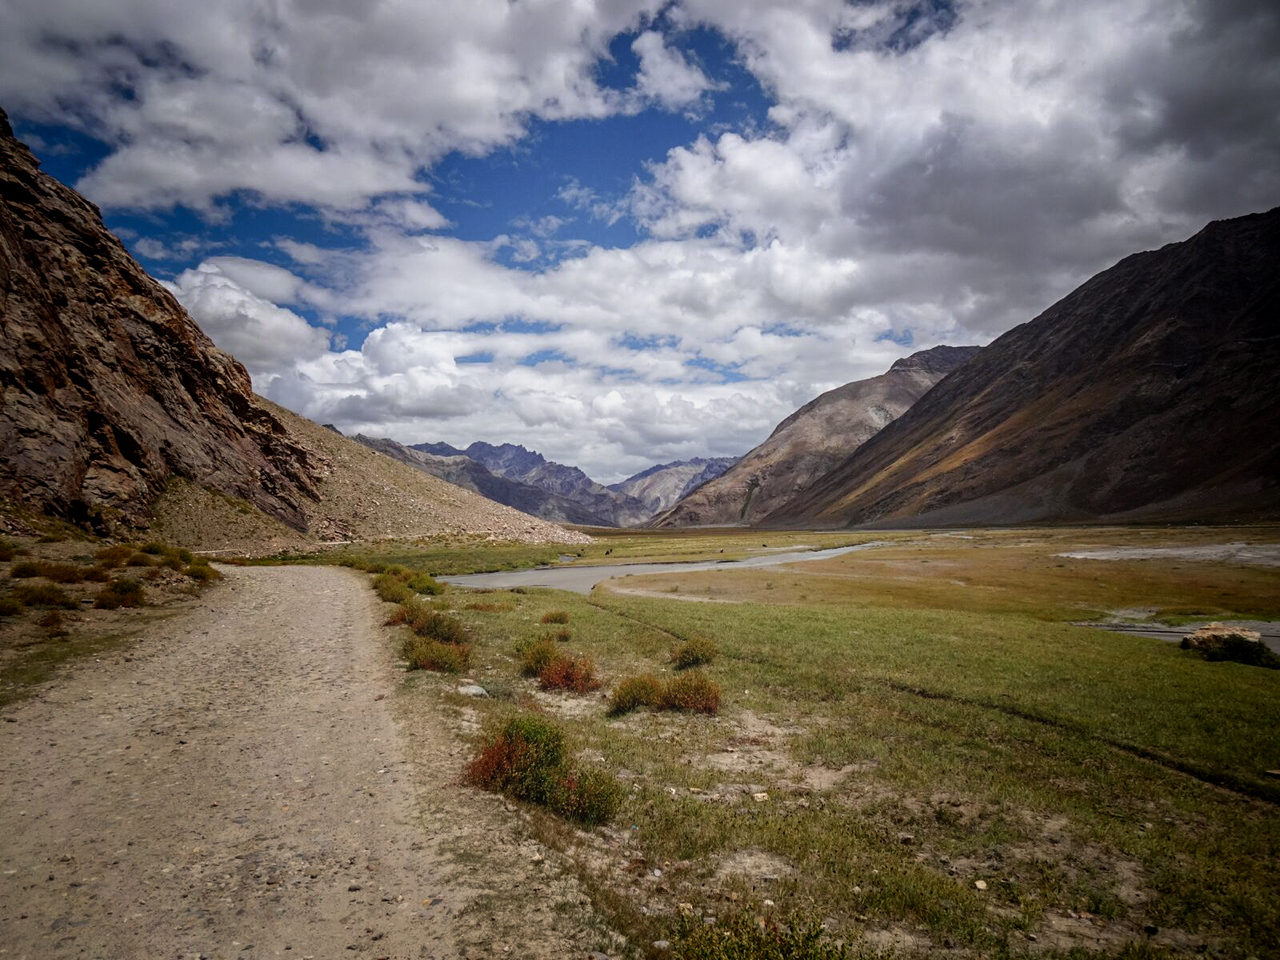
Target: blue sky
[{"x": 629, "y": 232}]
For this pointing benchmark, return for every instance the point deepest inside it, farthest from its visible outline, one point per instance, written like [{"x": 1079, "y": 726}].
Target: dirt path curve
[{"x": 236, "y": 784}]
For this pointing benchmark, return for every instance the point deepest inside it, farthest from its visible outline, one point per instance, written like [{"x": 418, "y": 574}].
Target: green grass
[{"x": 914, "y": 721}]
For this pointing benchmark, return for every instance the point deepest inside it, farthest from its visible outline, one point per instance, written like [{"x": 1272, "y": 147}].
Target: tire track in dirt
[{"x": 235, "y": 784}]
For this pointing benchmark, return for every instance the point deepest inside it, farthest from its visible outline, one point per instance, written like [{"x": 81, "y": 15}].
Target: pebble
[
  {"x": 473, "y": 690},
  {"x": 760, "y": 797},
  {"x": 662, "y": 944},
  {"x": 980, "y": 884}
]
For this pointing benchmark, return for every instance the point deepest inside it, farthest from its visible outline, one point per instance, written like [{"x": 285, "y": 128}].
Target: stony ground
[{"x": 250, "y": 779}]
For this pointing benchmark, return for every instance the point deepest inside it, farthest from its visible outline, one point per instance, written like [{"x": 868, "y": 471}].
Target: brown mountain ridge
[
  {"x": 1147, "y": 394},
  {"x": 111, "y": 397},
  {"x": 811, "y": 441}
]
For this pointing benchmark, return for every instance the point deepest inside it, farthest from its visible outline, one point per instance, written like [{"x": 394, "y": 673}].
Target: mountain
[
  {"x": 605, "y": 507},
  {"x": 812, "y": 440},
  {"x": 459, "y": 469},
  {"x": 659, "y": 487},
  {"x": 117, "y": 412},
  {"x": 1147, "y": 394}
]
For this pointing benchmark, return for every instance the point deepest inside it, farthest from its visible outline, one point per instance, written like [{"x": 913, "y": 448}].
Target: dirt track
[{"x": 247, "y": 781}]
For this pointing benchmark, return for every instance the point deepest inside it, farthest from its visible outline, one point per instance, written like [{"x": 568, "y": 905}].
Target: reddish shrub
[{"x": 577, "y": 674}]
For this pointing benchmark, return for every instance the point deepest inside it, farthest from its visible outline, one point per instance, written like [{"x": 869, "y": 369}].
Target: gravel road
[{"x": 248, "y": 780}]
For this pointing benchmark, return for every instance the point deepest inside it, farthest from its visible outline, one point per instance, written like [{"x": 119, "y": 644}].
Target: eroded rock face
[
  {"x": 811, "y": 441},
  {"x": 108, "y": 388}
]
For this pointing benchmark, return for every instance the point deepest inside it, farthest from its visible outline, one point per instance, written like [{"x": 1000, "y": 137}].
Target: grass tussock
[
  {"x": 484, "y": 607},
  {"x": 125, "y": 592},
  {"x": 25, "y": 570},
  {"x": 43, "y": 595},
  {"x": 391, "y": 588},
  {"x": 690, "y": 692},
  {"x": 396, "y": 584},
  {"x": 537, "y": 656},
  {"x": 140, "y": 559},
  {"x": 556, "y": 616},
  {"x": 201, "y": 572},
  {"x": 697, "y": 651},
  {"x": 7, "y": 551},
  {"x": 575, "y": 674},
  {"x": 526, "y": 759},
  {"x": 424, "y": 653},
  {"x": 10, "y": 606},
  {"x": 114, "y": 555}
]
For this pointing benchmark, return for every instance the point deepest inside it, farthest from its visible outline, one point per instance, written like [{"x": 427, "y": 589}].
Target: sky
[{"x": 623, "y": 233}]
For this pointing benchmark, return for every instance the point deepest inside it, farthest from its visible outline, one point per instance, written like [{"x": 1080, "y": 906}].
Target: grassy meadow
[{"x": 915, "y": 745}]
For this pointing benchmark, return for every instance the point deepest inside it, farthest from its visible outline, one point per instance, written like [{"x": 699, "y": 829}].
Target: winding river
[{"x": 583, "y": 579}]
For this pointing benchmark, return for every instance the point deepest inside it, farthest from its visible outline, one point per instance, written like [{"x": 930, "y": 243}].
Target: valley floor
[{"x": 237, "y": 782}]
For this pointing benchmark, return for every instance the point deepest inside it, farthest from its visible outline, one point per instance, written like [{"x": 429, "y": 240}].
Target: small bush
[
  {"x": 98, "y": 574},
  {"x": 423, "y": 653},
  {"x": 635, "y": 692},
  {"x": 742, "y": 937},
  {"x": 694, "y": 652},
  {"x": 425, "y": 583},
  {"x": 155, "y": 573},
  {"x": 576, "y": 674},
  {"x": 391, "y": 588},
  {"x": 154, "y": 548},
  {"x": 526, "y": 759},
  {"x": 172, "y": 561},
  {"x": 52, "y": 621},
  {"x": 125, "y": 592},
  {"x": 537, "y": 657},
  {"x": 10, "y": 606},
  {"x": 24, "y": 570},
  {"x": 201, "y": 572},
  {"x": 589, "y": 796},
  {"x": 114, "y": 555},
  {"x": 561, "y": 636},
  {"x": 139, "y": 559},
  {"x": 6, "y": 551},
  {"x": 556, "y": 616},
  {"x": 43, "y": 595},
  {"x": 692, "y": 692},
  {"x": 440, "y": 627},
  {"x": 62, "y": 572}
]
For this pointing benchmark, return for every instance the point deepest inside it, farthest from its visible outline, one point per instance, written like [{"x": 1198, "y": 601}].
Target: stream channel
[{"x": 582, "y": 579}]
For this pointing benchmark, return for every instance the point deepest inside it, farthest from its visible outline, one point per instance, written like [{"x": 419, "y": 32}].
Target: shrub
[
  {"x": 115, "y": 554},
  {"x": 742, "y": 937},
  {"x": 694, "y": 652},
  {"x": 423, "y": 653},
  {"x": 537, "y": 657},
  {"x": 425, "y": 583},
  {"x": 633, "y": 692},
  {"x": 10, "y": 606},
  {"x": 201, "y": 572},
  {"x": 43, "y": 595},
  {"x": 589, "y": 796},
  {"x": 440, "y": 627},
  {"x": 6, "y": 551},
  {"x": 25, "y": 569},
  {"x": 173, "y": 562},
  {"x": 139, "y": 560},
  {"x": 693, "y": 692},
  {"x": 125, "y": 592},
  {"x": 153, "y": 548},
  {"x": 577, "y": 674},
  {"x": 561, "y": 636},
  {"x": 62, "y": 572},
  {"x": 155, "y": 573},
  {"x": 391, "y": 588},
  {"x": 526, "y": 759},
  {"x": 98, "y": 574},
  {"x": 556, "y": 616},
  {"x": 52, "y": 621}
]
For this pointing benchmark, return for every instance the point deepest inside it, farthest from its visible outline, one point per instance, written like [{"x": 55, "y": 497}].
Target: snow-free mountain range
[{"x": 1144, "y": 395}]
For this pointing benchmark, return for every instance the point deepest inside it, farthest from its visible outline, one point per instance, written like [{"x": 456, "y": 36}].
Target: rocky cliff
[
  {"x": 1146, "y": 394},
  {"x": 660, "y": 487},
  {"x": 108, "y": 387},
  {"x": 811, "y": 441}
]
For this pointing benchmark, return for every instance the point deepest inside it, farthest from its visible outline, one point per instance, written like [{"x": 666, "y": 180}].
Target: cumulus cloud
[{"x": 929, "y": 173}]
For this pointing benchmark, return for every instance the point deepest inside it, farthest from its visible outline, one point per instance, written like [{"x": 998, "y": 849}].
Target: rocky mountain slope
[
  {"x": 661, "y": 486},
  {"x": 462, "y": 471},
  {"x": 605, "y": 507},
  {"x": 1146, "y": 394},
  {"x": 116, "y": 410},
  {"x": 811, "y": 441}
]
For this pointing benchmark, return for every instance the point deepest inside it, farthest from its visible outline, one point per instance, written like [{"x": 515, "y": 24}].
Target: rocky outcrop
[
  {"x": 461, "y": 470},
  {"x": 108, "y": 387},
  {"x": 603, "y": 506},
  {"x": 811, "y": 441},
  {"x": 660, "y": 487},
  {"x": 1146, "y": 394}
]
